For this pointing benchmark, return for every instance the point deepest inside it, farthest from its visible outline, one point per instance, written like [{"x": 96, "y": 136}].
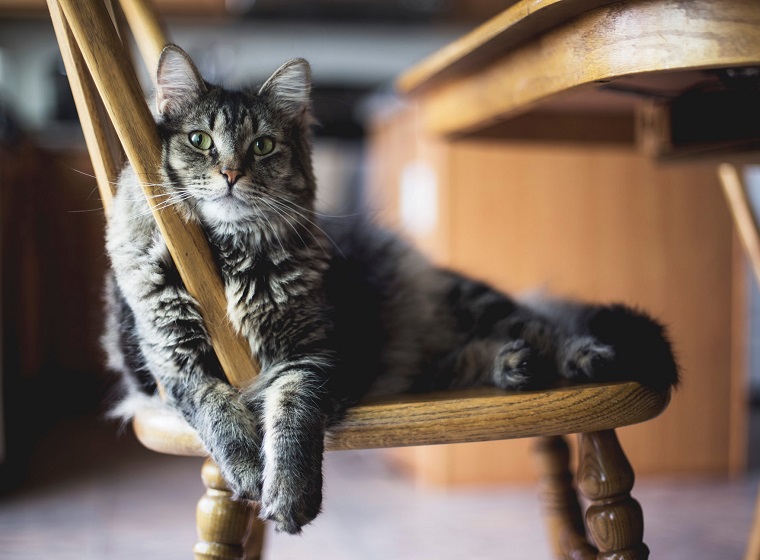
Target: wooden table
[
  {"x": 602, "y": 70},
  {"x": 678, "y": 79}
]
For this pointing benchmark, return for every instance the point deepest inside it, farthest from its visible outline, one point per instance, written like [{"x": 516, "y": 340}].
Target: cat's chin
[{"x": 226, "y": 210}]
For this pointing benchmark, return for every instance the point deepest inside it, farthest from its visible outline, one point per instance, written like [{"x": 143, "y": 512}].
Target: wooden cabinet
[{"x": 599, "y": 222}]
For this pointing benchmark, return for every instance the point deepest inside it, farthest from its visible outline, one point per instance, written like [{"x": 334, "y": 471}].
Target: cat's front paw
[
  {"x": 587, "y": 359},
  {"x": 518, "y": 366},
  {"x": 241, "y": 467},
  {"x": 292, "y": 502}
]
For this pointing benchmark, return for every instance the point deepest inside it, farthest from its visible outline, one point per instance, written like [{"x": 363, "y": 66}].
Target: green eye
[
  {"x": 200, "y": 140},
  {"x": 263, "y": 146}
]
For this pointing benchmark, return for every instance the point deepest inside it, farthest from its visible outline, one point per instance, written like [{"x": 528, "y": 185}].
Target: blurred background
[{"x": 523, "y": 214}]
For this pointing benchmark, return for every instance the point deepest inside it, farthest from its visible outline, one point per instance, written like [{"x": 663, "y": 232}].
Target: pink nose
[{"x": 232, "y": 175}]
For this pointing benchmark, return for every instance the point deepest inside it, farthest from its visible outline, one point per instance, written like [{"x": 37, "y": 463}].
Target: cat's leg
[
  {"x": 178, "y": 352},
  {"x": 514, "y": 358},
  {"x": 292, "y": 405},
  {"x": 506, "y": 343}
]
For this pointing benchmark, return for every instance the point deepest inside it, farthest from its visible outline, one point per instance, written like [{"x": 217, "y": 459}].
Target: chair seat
[{"x": 476, "y": 414}]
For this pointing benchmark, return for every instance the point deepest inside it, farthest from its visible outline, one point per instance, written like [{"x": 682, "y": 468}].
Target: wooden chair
[
  {"x": 735, "y": 189},
  {"x": 99, "y": 69}
]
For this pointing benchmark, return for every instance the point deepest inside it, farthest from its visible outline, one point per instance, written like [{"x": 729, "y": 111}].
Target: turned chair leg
[
  {"x": 753, "y": 548},
  {"x": 227, "y": 529},
  {"x": 613, "y": 518},
  {"x": 562, "y": 512}
]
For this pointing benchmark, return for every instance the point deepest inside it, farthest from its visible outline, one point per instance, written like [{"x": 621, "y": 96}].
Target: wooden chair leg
[
  {"x": 227, "y": 529},
  {"x": 562, "y": 512},
  {"x": 254, "y": 540},
  {"x": 614, "y": 518},
  {"x": 753, "y": 547}
]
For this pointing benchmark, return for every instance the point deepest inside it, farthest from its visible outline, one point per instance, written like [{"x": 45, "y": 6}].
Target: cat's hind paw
[
  {"x": 587, "y": 359},
  {"x": 518, "y": 367}
]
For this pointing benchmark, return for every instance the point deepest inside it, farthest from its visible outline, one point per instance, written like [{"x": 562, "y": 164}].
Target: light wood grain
[
  {"x": 100, "y": 137},
  {"x": 452, "y": 417},
  {"x": 744, "y": 218},
  {"x": 185, "y": 8},
  {"x": 734, "y": 187},
  {"x": 223, "y": 523},
  {"x": 149, "y": 33},
  {"x": 123, "y": 99},
  {"x": 753, "y": 545},
  {"x": 608, "y": 43},
  {"x": 517, "y": 24}
]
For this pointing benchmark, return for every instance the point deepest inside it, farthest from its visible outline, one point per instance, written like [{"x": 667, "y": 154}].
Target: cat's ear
[
  {"x": 178, "y": 81},
  {"x": 290, "y": 87}
]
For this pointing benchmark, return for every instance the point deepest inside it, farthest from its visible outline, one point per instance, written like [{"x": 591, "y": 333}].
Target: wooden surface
[
  {"x": 734, "y": 187},
  {"x": 223, "y": 523},
  {"x": 205, "y": 8},
  {"x": 516, "y": 25},
  {"x": 596, "y": 222},
  {"x": 123, "y": 99},
  {"x": 753, "y": 545},
  {"x": 481, "y": 414},
  {"x": 613, "y": 518},
  {"x": 628, "y": 44},
  {"x": 149, "y": 34},
  {"x": 99, "y": 134},
  {"x": 746, "y": 223}
]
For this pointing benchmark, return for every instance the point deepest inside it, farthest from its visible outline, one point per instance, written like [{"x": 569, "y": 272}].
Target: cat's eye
[
  {"x": 263, "y": 145},
  {"x": 200, "y": 140}
]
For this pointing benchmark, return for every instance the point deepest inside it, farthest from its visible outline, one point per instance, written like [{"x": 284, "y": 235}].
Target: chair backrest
[
  {"x": 735, "y": 189},
  {"x": 109, "y": 100}
]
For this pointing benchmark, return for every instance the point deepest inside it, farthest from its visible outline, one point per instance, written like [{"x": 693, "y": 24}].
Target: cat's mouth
[
  {"x": 230, "y": 195},
  {"x": 229, "y": 202}
]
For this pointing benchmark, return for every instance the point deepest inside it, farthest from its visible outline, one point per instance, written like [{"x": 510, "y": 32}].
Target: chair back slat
[
  {"x": 150, "y": 35},
  {"x": 102, "y": 143},
  {"x": 735, "y": 189},
  {"x": 106, "y": 59}
]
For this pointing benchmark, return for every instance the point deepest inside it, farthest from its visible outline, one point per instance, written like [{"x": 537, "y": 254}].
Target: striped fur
[{"x": 333, "y": 310}]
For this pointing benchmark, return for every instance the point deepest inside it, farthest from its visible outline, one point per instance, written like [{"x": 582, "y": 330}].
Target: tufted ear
[
  {"x": 290, "y": 87},
  {"x": 178, "y": 81}
]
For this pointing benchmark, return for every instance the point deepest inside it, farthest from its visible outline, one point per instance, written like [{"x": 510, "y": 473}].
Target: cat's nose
[{"x": 232, "y": 175}]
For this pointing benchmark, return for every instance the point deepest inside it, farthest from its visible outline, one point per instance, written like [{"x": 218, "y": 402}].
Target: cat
[{"x": 334, "y": 310}]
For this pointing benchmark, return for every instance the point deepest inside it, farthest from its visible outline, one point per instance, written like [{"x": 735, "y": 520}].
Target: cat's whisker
[
  {"x": 86, "y": 211},
  {"x": 282, "y": 204},
  {"x": 323, "y": 214},
  {"x": 283, "y": 213},
  {"x": 285, "y": 219},
  {"x": 170, "y": 201},
  {"x": 86, "y": 174},
  {"x": 271, "y": 227}
]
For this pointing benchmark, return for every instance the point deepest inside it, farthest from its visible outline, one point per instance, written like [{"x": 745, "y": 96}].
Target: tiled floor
[{"x": 93, "y": 497}]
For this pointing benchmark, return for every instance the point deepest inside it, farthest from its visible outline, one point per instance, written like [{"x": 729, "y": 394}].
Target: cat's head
[{"x": 238, "y": 156}]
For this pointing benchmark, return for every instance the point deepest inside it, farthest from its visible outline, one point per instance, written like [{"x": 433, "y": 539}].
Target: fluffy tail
[{"x": 643, "y": 351}]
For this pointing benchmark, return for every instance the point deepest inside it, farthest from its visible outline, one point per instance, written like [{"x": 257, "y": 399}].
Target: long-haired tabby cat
[{"x": 330, "y": 321}]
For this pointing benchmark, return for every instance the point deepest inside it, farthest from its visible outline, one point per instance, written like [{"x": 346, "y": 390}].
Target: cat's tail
[{"x": 643, "y": 351}]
